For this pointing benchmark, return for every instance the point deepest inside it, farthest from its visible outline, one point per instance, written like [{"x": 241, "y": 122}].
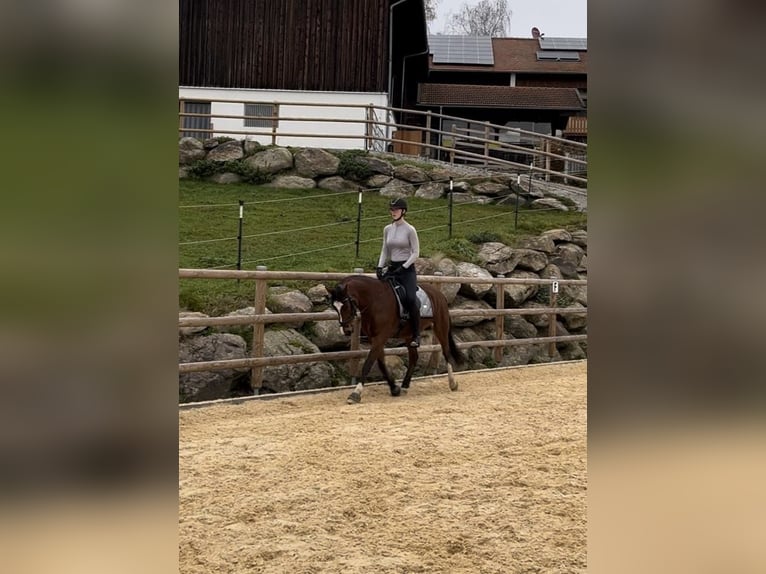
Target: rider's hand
[{"x": 379, "y": 272}]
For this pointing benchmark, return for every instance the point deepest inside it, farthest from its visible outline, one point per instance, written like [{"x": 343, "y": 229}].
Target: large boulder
[
  {"x": 328, "y": 336},
  {"x": 410, "y": 173},
  {"x": 227, "y": 151},
  {"x": 314, "y": 162},
  {"x": 462, "y": 304},
  {"x": 548, "y": 203},
  {"x": 430, "y": 190},
  {"x": 516, "y": 294},
  {"x": 337, "y": 183},
  {"x": 191, "y": 331},
  {"x": 377, "y": 181},
  {"x": 377, "y": 165},
  {"x": 292, "y": 182},
  {"x": 190, "y": 150},
  {"x": 297, "y": 377},
  {"x": 474, "y": 290},
  {"x": 290, "y": 302},
  {"x": 397, "y": 188},
  {"x": 491, "y": 189},
  {"x": 271, "y": 160},
  {"x": 210, "y": 385}
]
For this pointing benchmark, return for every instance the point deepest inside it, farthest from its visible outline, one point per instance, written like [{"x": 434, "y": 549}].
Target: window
[
  {"x": 259, "y": 115},
  {"x": 193, "y": 123},
  {"x": 558, "y": 56}
]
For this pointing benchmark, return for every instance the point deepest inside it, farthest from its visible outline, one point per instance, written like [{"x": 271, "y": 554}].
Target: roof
[
  {"x": 453, "y": 95},
  {"x": 519, "y": 55}
]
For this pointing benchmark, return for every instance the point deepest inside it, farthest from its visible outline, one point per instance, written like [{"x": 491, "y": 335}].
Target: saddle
[{"x": 424, "y": 302}]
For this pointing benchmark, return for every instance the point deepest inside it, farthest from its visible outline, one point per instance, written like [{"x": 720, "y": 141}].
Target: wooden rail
[
  {"x": 378, "y": 128},
  {"x": 259, "y": 319}
]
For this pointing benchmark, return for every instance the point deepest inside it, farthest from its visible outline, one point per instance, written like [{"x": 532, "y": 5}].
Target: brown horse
[{"x": 376, "y": 304}]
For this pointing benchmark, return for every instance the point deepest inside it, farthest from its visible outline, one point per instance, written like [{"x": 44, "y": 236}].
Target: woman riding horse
[{"x": 401, "y": 248}]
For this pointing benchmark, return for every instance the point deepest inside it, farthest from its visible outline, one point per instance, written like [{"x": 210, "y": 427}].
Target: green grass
[{"x": 315, "y": 230}]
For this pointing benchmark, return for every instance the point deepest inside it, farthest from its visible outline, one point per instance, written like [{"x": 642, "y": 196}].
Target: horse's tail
[{"x": 457, "y": 355}]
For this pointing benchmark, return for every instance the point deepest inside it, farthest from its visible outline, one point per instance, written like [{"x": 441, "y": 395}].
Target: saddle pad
[{"x": 426, "y": 308}]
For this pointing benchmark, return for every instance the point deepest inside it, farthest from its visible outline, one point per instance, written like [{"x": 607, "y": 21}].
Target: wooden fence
[
  {"x": 374, "y": 129},
  {"x": 260, "y": 319}
]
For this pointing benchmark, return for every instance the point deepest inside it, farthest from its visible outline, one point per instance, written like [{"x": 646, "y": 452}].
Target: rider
[{"x": 400, "y": 248}]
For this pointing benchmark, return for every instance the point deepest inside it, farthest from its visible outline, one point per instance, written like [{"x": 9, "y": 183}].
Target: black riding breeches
[{"x": 409, "y": 279}]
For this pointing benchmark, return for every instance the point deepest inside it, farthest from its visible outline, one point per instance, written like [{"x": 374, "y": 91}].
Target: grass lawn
[{"x": 316, "y": 230}]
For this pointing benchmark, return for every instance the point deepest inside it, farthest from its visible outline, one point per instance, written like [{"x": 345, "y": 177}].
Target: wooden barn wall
[{"x": 332, "y": 45}]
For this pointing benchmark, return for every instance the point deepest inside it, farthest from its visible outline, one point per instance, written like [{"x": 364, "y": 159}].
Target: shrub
[{"x": 351, "y": 167}]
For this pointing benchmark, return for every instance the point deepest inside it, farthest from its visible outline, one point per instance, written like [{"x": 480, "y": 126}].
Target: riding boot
[{"x": 415, "y": 326}]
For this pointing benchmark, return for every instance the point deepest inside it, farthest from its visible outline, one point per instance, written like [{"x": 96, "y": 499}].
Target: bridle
[{"x": 354, "y": 310}]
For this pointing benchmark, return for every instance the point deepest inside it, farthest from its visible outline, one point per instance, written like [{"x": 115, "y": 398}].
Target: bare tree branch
[{"x": 487, "y": 18}]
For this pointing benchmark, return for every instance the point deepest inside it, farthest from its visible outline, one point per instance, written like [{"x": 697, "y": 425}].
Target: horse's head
[{"x": 345, "y": 306}]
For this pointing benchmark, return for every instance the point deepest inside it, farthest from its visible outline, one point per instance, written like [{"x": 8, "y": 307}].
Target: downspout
[{"x": 404, "y": 62}]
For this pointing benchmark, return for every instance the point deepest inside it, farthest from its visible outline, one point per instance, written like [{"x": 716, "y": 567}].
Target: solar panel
[
  {"x": 461, "y": 50},
  {"x": 558, "y": 56},
  {"x": 563, "y": 43}
]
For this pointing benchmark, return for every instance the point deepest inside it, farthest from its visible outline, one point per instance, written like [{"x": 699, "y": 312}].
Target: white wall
[{"x": 355, "y": 130}]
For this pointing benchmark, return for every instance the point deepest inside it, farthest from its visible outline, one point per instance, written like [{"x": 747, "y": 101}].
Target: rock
[
  {"x": 410, "y": 174},
  {"x": 313, "y": 162},
  {"x": 570, "y": 252},
  {"x": 271, "y": 160},
  {"x": 290, "y": 302},
  {"x": 318, "y": 294},
  {"x": 377, "y": 181},
  {"x": 227, "y": 151},
  {"x": 580, "y": 238},
  {"x": 574, "y": 321},
  {"x": 463, "y": 303},
  {"x": 516, "y": 294},
  {"x": 190, "y": 150},
  {"x": 492, "y": 189},
  {"x": 542, "y": 243},
  {"x": 530, "y": 259},
  {"x": 430, "y": 190},
  {"x": 397, "y": 188},
  {"x": 494, "y": 252},
  {"x": 557, "y": 235},
  {"x": 337, "y": 183},
  {"x": 188, "y": 331},
  {"x": 301, "y": 376},
  {"x": 377, "y": 165},
  {"x": 548, "y": 203},
  {"x": 292, "y": 182},
  {"x": 210, "y": 385},
  {"x": 328, "y": 336},
  {"x": 473, "y": 290}
]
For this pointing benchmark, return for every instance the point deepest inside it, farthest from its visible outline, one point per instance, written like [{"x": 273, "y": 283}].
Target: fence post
[
  {"x": 486, "y": 143},
  {"x": 516, "y": 212},
  {"x": 261, "y": 287},
  {"x": 427, "y": 149},
  {"x": 547, "y": 148},
  {"x": 355, "y": 337},
  {"x": 368, "y": 128},
  {"x": 358, "y": 223},
  {"x": 239, "y": 235},
  {"x": 454, "y": 145},
  {"x": 181, "y": 109},
  {"x": 552, "y": 319},
  {"x": 450, "y": 207},
  {"x": 500, "y": 319},
  {"x": 274, "y": 122}
]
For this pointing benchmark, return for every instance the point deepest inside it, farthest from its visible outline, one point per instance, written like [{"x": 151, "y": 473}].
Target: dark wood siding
[{"x": 328, "y": 45}]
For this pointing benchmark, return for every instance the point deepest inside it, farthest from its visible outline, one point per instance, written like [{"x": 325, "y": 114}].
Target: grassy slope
[{"x": 291, "y": 230}]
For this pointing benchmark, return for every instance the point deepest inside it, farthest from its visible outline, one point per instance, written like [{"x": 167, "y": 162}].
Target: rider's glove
[{"x": 379, "y": 272}]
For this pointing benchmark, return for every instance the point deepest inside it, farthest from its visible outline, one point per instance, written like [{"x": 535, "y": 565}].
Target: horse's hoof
[
  {"x": 396, "y": 391},
  {"x": 453, "y": 385},
  {"x": 354, "y": 398}
]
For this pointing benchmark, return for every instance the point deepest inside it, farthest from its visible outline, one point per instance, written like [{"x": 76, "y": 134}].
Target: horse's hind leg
[
  {"x": 395, "y": 389},
  {"x": 412, "y": 360}
]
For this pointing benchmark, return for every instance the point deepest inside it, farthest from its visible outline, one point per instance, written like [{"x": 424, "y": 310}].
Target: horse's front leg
[
  {"x": 356, "y": 395},
  {"x": 412, "y": 360}
]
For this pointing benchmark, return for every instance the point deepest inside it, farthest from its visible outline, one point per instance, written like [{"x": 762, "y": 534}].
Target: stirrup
[{"x": 415, "y": 342}]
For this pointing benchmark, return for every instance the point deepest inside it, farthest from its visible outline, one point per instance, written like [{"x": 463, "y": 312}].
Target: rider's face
[{"x": 396, "y": 212}]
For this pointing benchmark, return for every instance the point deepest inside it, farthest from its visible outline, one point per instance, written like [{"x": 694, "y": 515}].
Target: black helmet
[{"x": 398, "y": 203}]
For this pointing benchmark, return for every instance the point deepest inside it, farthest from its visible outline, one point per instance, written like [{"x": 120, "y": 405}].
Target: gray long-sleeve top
[{"x": 400, "y": 243}]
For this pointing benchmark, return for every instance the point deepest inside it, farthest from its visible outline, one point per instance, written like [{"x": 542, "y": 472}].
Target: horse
[{"x": 374, "y": 300}]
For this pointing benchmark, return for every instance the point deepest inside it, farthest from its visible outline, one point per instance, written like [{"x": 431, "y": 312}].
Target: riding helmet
[{"x": 398, "y": 203}]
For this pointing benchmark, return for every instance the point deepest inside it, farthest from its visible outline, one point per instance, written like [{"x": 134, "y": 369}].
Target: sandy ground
[{"x": 491, "y": 478}]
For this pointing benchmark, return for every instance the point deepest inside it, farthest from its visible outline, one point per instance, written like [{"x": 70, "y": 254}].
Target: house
[
  {"x": 246, "y": 66},
  {"x": 536, "y": 84}
]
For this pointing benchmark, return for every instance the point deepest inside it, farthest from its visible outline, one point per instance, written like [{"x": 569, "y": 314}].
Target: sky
[{"x": 554, "y": 18}]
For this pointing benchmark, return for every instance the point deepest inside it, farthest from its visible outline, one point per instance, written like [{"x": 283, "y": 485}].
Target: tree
[
  {"x": 431, "y": 6},
  {"x": 487, "y": 18}
]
